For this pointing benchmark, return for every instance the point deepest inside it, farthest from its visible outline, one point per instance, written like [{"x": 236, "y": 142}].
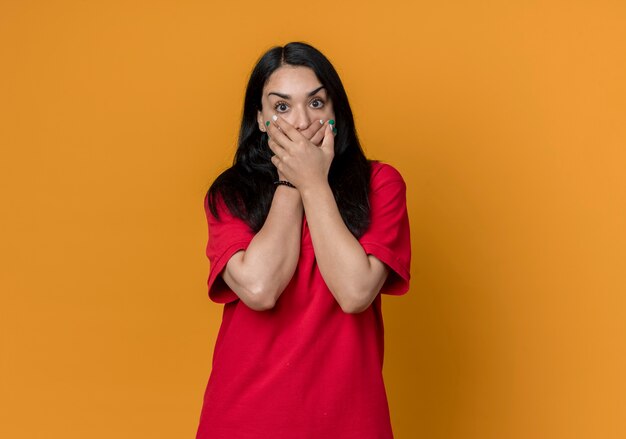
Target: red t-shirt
[{"x": 304, "y": 369}]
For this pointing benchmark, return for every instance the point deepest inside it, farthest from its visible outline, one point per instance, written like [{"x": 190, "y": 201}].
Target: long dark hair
[{"x": 247, "y": 186}]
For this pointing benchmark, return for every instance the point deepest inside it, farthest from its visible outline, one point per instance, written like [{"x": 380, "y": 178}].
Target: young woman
[{"x": 305, "y": 234}]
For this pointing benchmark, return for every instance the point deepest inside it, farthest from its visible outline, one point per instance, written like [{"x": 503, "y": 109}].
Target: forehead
[{"x": 292, "y": 80}]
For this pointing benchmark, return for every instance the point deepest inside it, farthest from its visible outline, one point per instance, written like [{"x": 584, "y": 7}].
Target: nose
[{"x": 301, "y": 119}]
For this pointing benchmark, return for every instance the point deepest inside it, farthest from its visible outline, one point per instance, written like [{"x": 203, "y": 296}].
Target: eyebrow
[{"x": 289, "y": 97}]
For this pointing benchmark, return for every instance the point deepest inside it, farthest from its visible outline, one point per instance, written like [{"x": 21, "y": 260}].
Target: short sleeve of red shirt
[
  {"x": 227, "y": 235},
  {"x": 388, "y": 237}
]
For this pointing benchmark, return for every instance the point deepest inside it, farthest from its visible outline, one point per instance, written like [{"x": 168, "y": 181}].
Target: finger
[
  {"x": 288, "y": 130},
  {"x": 328, "y": 144},
  {"x": 272, "y": 144},
  {"x": 313, "y": 129},
  {"x": 277, "y": 135},
  {"x": 319, "y": 135},
  {"x": 275, "y": 148}
]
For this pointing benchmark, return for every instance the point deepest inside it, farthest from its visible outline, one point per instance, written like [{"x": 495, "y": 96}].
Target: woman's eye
[
  {"x": 317, "y": 103},
  {"x": 281, "y": 106}
]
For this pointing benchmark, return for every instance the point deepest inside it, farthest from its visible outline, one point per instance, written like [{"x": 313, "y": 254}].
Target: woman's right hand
[{"x": 314, "y": 132}]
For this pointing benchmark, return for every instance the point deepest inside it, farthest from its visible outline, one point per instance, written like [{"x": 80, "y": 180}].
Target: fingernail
[
  {"x": 334, "y": 130},
  {"x": 332, "y": 121},
  {"x": 321, "y": 122},
  {"x": 274, "y": 118},
  {"x": 267, "y": 123}
]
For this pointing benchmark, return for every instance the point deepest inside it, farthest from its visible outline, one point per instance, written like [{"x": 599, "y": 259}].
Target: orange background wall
[{"x": 507, "y": 120}]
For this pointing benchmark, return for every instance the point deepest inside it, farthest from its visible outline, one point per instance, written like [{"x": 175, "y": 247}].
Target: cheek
[
  {"x": 329, "y": 112},
  {"x": 325, "y": 112},
  {"x": 266, "y": 115},
  {"x": 266, "y": 109}
]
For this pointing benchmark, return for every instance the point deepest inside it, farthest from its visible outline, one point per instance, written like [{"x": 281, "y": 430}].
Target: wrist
[
  {"x": 284, "y": 183},
  {"x": 284, "y": 191},
  {"x": 315, "y": 192}
]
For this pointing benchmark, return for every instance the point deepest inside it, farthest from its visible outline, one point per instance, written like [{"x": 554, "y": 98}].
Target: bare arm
[
  {"x": 259, "y": 274},
  {"x": 353, "y": 277}
]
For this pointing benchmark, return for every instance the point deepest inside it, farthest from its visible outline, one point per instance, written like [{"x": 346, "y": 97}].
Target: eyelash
[{"x": 279, "y": 103}]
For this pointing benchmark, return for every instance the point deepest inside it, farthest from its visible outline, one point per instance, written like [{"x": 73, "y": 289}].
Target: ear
[{"x": 260, "y": 121}]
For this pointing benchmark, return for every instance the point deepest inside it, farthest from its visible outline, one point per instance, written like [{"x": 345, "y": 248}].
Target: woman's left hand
[{"x": 297, "y": 158}]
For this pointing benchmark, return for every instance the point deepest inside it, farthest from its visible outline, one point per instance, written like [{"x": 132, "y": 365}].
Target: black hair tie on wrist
[{"x": 284, "y": 182}]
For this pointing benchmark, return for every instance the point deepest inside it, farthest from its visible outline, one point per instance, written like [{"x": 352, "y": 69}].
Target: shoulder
[
  {"x": 383, "y": 174},
  {"x": 215, "y": 207}
]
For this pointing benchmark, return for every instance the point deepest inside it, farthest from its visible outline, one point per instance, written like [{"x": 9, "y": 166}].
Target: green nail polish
[
  {"x": 267, "y": 123},
  {"x": 332, "y": 121},
  {"x": 334, "y": 130}
]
